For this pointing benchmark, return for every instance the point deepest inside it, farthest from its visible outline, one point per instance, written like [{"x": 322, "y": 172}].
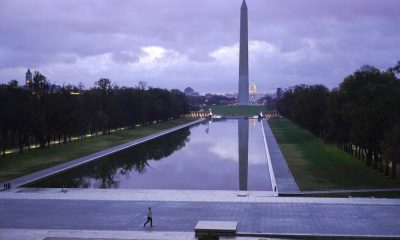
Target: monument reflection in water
[
  {"x": 243, "y": 133},
  {"x": 210, "y": 156}
]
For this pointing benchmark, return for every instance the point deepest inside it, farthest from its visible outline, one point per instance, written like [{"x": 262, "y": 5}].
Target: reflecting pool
[{"x": 218, "y": 155}]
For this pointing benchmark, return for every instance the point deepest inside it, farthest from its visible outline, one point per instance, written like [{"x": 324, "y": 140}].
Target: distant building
[
  {"x": 279, "y": 93},
  {"x": 190, "y": 92},
  {"x": 231, "y": 95},
  {"x": 252, "y": 92},
  {"x": 252, "y": 88},
  {"x": 28, "y": 78},
  {"x": 208, "y": 95}
]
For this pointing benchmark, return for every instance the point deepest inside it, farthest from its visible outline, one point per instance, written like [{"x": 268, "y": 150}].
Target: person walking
[{"x": 149, "y": 218}]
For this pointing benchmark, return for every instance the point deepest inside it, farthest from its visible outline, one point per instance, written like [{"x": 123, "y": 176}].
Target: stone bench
[{"x": 220, "y": 228}]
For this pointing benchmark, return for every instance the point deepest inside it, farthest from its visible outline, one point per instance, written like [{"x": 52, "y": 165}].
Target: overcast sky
[{"x": 180, "y": 43}]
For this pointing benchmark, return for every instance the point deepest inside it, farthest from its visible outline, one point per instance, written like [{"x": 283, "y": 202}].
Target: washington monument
[{"x": 243, "y": 57}]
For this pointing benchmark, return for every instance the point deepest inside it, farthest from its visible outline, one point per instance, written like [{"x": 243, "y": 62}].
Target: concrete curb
[
  {"x": 270, "y": 168},
  {"x": 283, "y": 175},
  {"x": 349, "y": 191},
  {"x": 316, "y": 236}
]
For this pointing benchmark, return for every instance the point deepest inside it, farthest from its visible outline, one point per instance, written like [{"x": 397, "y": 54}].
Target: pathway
[
  {"x": 283, "y": 175},
  {"x": 287, "y": 216}
]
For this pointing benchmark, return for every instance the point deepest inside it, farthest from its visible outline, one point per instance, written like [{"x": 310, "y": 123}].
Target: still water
[{"x": 217, "y": 155}]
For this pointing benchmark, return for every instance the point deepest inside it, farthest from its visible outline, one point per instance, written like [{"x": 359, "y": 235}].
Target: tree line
[
  {"x": 361, "y": 116},
  {"x": 43, "y": 112}
]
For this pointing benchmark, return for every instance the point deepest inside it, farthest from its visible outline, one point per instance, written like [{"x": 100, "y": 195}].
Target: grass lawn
[
  {"x": 318, "y": 166},
  {"x": 230, "y": 110},
  {"x": 17, "y": 165}
]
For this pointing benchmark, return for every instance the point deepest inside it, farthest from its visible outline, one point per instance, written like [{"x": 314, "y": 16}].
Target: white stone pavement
[
  {"x": 180, "y": 196},
  {"x": 256, "y": 216},
  {"x": 41, "y": 234}
]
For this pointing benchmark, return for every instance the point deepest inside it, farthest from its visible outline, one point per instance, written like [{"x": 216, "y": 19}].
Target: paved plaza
[
  {"x": 48, "y": 234},
  {"x": 270, "y": 215}
]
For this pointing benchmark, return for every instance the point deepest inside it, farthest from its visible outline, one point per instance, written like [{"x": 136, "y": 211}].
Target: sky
[{"x": 174, "y": 44}]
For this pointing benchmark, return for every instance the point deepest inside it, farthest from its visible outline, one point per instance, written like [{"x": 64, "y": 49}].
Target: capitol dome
[{"x": 252, "y": 88}]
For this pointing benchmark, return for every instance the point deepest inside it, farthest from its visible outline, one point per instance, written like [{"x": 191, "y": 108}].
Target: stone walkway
[
  {"x": 86, "y": 159},
  {"x": 272, "y": 215},
  {"x": 179, "y": 196},
  {"x": 136, "y": 195},
  {"x": 48, "y": 234},
  {"x": 283, "y": 175}
]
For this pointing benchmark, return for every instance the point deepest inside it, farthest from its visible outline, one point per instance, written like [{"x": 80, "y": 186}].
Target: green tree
[
  {"x": 370, "y": 104},
  {"x": 391, "y": 148},
  {"x": 40, "y": 85},
  {"x": 12, "y": 84}
]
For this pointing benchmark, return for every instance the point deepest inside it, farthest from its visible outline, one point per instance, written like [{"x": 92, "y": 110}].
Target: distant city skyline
[{"x": 176, "y": 44}]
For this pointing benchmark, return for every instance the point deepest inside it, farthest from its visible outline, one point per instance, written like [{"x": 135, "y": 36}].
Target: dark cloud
[{"x": 308, "y": 41}]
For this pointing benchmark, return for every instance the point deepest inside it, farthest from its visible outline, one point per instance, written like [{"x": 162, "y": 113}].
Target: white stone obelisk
[{"x": 243, "y": 57}]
